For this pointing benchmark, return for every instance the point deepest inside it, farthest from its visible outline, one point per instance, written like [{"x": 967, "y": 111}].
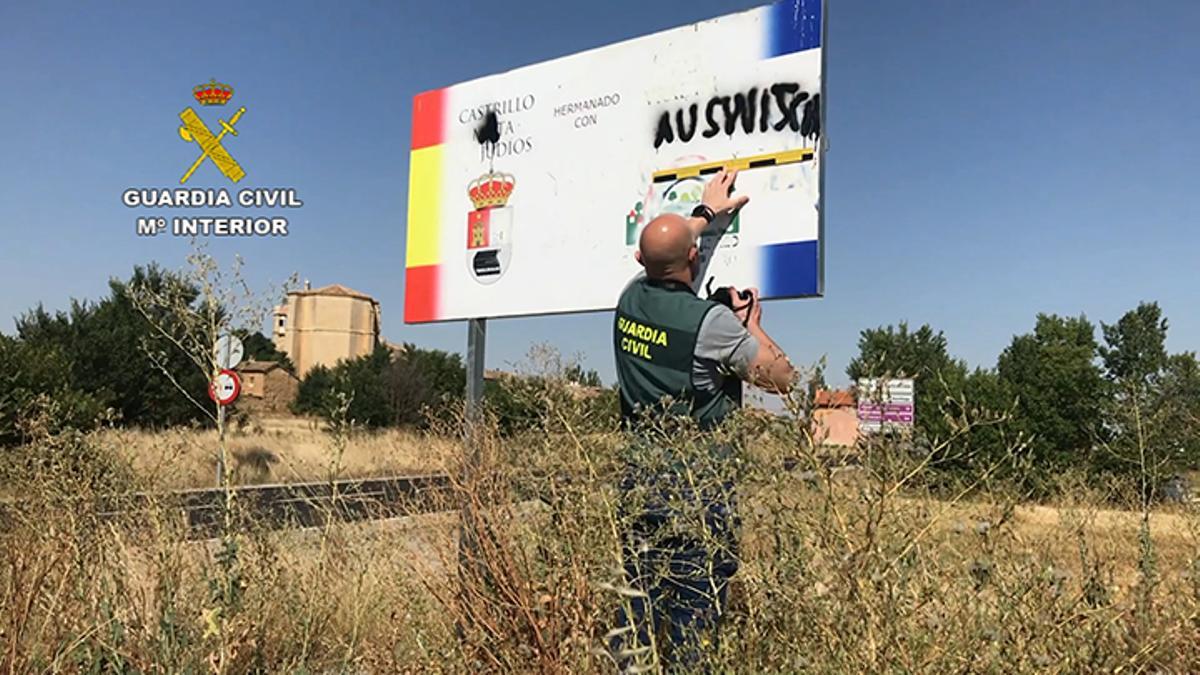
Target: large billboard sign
[{"x": 528, "y": 189}]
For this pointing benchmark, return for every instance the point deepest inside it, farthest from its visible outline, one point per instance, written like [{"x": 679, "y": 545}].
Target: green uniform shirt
[{"x": 673, "y": 346}]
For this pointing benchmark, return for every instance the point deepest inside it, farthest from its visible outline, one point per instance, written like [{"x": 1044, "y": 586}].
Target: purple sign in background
[{"x": 886, "y": 412}]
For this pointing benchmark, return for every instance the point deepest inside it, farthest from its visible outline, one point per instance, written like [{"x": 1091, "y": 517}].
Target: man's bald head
[{"x": 665, "y": 248}]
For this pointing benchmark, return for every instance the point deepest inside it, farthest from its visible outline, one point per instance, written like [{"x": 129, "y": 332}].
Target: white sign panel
[
  {"x": 528, "y": 190},
  {"x": 228, "y": 351},
  {"x": 886, "y": 404}
]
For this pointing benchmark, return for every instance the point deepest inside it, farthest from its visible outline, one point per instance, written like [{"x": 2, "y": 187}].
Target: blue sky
[{"x": 987, "y": 160}]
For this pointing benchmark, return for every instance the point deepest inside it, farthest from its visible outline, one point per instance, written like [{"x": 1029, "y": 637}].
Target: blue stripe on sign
[
  {"x": 794, "y": 25},
  {"x": 789, "y": 270}
]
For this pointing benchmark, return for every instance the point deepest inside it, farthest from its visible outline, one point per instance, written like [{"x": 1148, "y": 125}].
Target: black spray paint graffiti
[
  {"x": 742, "y": 110},
  {"x": 488, "y": 135},
  {"x": 489, "y": 130}
]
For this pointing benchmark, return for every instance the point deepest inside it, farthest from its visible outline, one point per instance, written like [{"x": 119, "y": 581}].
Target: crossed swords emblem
[{"x": 194, "y": 129}]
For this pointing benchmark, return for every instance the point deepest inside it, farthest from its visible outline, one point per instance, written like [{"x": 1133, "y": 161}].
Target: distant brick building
[
  {"x": 321, "y": 326},
  {"x": 835, "y": 414},
  {"x": 266, "y": 386}
]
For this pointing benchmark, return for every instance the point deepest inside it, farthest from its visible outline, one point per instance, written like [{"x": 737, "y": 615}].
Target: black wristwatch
[{"x": 702, "y": 211}]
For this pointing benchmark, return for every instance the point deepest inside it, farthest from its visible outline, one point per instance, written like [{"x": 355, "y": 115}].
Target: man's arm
[
  {"x": 740, "y": 345},
  {"x": 770, "y": 370}
]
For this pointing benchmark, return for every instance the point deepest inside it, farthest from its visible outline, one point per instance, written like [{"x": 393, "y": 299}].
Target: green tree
[
  {"x": 522, "y": 403},
  {"x": 988, "y": 439},
  {"x": 402, "y": 387},
  {"x": 1150, "y": 416},
  {"x": 259, "y": 347},
  {"x": 109, "y": 347},
  {"x": 424, "y": 382},
  {"x": 887, "y": 352},
  {"x": 313, "y": 396},
  {"x": 1060, "y": 391},
  {"x": 364, "y": 380},
  {"x": 36, "y": 380},
  {"x": 1135, "y": 352},
  {"x": 547, "y": 389},
  {"x": 1180, "y": 384},
  {"x": 361, "y": 381},
  {"x": 583, "y": 377}
]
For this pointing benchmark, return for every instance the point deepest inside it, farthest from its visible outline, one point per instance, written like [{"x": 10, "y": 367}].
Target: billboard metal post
[
  {"x": 469, "y": 536},
  {"x": 476, "y": 341}
]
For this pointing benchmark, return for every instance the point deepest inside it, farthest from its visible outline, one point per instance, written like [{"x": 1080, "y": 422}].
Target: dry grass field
[
  {"x": 278, "y": 449},
  {"x": 847, "y": 573}
]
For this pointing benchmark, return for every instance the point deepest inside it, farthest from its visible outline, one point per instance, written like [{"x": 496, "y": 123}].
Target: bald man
[
  {"x": 680, "y": 354},
  {"x": 669, "y": 342}
]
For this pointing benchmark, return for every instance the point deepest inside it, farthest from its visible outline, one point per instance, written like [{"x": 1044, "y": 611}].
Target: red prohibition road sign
[{"x": 225, "y": 388}]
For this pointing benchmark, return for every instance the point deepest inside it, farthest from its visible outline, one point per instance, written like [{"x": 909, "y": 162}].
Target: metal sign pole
[
  {"x": 476, "y": 340},
  {"x": 471, "y": 567},
  {"x": 221, "y": 445}
]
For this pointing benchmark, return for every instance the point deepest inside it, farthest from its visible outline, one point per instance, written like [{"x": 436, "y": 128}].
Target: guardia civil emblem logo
[{"x": 195, "y": 130}]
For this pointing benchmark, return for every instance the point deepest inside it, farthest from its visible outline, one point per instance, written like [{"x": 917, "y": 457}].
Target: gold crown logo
[
  {"x": 213, "y": 93},
  {"x": 491, "y": 189}
]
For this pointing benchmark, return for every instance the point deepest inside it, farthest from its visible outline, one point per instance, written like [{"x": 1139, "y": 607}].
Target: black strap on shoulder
[{"x": 669, "y": 285}]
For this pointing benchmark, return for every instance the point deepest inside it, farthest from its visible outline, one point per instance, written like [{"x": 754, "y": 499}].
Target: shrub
[
  {"x": 385, "y": 388},
  {"x": 425, "y": 383},
  {"x": 35, "y": 380}
]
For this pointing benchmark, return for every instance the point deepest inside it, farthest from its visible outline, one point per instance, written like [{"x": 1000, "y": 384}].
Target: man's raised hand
[{"x": 717, "y": 193}]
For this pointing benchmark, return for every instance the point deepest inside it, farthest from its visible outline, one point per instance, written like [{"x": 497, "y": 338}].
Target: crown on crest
[
  {"x": 491, "y": 189},
  {"x": 213, "y": 93}
]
